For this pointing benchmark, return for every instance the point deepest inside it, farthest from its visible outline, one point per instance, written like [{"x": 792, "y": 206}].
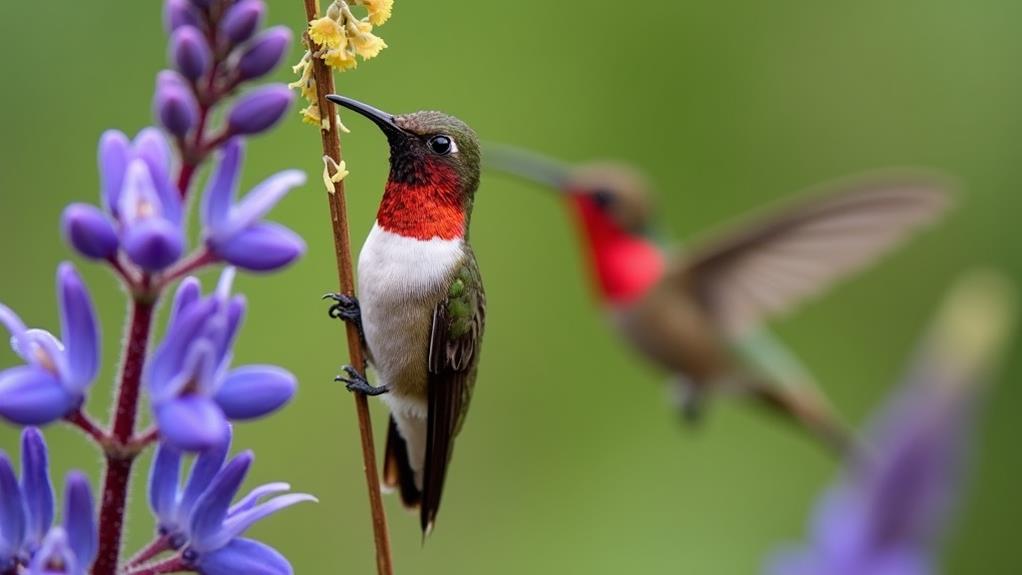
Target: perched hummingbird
[
  {"x": 422, "y": 307},
  {"x": 698, "y": 314}
]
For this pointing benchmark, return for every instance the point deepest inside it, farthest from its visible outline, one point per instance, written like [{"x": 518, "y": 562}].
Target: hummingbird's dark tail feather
[
  {"x": 807, "y": 410},
  {"x": 397, "y": 472}
]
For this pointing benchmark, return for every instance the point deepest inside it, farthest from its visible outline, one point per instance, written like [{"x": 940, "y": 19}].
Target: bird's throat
[{"x": 427, "y": 207}]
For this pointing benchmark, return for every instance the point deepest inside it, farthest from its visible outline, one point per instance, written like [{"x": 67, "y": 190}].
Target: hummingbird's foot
[
  {"x": 346, "y": 308},
  {"x": 357, "y": 382}
]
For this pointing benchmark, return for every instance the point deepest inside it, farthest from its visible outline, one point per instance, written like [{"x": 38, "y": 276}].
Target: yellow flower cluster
[{"x": 339, "y": 37}]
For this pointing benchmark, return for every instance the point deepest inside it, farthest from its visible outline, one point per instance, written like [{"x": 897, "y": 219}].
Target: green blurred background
[{"x": 570, "y": 461}]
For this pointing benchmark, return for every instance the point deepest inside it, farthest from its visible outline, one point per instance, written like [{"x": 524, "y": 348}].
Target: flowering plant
[{"x": 217, "y": 50}]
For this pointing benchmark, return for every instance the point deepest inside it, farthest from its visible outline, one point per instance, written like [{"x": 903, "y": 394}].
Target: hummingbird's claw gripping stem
[
  {"x": 346, "y": 308},
  {"x": 357, "y": 382}
]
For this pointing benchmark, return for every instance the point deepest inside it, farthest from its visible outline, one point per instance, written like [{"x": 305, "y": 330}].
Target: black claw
[
  {"x": 357, "y": 382},
  {"x": 346, "y": 307}
]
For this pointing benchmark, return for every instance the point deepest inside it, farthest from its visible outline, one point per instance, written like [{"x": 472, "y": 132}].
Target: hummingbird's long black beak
[
  {"x": 382, "y": 119},
  {"x": 527, "y": 165}
]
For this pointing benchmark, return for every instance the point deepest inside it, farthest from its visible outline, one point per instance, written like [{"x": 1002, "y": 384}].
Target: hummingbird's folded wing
[
  {"x": 453, "y": 357},
  {"x": 767, "y": 267}
]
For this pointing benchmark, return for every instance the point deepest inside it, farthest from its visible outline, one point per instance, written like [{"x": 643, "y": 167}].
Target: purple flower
[
  {"x": 190, "y": 52},
  {"x": 242, "y": 20},
  {"x": 56, "y": 373},
  {"x": 193, "y": 391},
  {"x": 258, "y": 110},
  {"x": 886, "y": 514},
  {"x": 174, "y": 104},
  {"x": 236, "y": 232},
  {"x": 26, "y": 515},
  {"x": 215, "y": 545},
  {"x": 177, "y": 13},
  {"x": 71, "y": 548},
  {"x": 264, "y": 53},
  {"x": 140, "y": 199}
]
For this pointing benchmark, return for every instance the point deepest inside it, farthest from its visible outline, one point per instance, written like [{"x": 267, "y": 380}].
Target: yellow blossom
[
  {"x": 367, "y": 44},
  {"x": 310, "y": 115},
  {"x": 340, "y": 172},
  {"x": 340, "y": 59},
  {"x": 379, "y": 10},
  {"x": 327, "y": 32}
]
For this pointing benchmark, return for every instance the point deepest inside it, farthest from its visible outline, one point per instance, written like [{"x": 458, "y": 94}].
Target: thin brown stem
[
  {"x": 196, "y": 261},
  {"x": 149, "y": 552},
  {"x": 119, "y": 462},
  {"x": 172, "y": 565},
  {"x": 342, "y": 247}
]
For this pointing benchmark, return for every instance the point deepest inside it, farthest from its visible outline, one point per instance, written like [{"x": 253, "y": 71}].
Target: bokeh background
[{"x": 570, "y": 461}]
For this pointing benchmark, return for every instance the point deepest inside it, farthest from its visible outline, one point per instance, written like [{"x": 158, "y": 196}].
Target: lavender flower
[
  {"x": 26, "y": 514},
  {"x": 177, "y": 13},
  {"x": 264, "y": 53},
  {"x": 174, "y": 104},
  {"x": 56, "y": 373},
  {"x": 193, "y": 392},
  {"x": 236, "y": 233},
  {"x": 189, "y": 52},
  {"x": 887, "y": 513},
  {"x": 215, "y": 545},
  {"x": 138, "y": 195},
  {"x": 258, "y": 110},
  {"x": 242, "y": 20}
]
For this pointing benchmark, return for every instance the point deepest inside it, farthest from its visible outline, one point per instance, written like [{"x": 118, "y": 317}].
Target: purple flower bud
[
  {"x": 200, "y": 4},
  {"x": 190, "y": 52},
  {"x": 242, "y": 20},
  {"x": 177, "y": 13},
  {"x": 264, "y": 53},
  {"x": 258, "y": 110},
  {"x": 89, "y": 231},
  {"x": 153, "y": 244},
  {"x": 175, "y": 105}
]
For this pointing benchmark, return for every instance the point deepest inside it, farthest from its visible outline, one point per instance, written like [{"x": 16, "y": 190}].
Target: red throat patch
[
  {"x": 626, "y": 266},
  {"x": 427, "y": 209}
]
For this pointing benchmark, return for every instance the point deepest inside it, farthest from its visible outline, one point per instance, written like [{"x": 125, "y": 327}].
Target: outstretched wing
[
  {"x": 767, "y": 268},
  {"x": 453, "y": 356}
]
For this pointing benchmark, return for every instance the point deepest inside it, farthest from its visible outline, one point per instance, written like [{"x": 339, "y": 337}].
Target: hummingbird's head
[
  {"x": 426, "y": 148},
  {"x": 608, "y": 196}
]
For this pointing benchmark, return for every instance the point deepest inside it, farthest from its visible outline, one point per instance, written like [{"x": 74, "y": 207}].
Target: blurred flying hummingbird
[
  {"x": 698, "y": 314},
  {"x": 422, "y": 305}
]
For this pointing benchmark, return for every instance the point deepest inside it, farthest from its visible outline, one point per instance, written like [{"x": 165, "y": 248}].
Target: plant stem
[
  {"x": 82, "y": 421},
  {"x": 118, "y": 462},
  {"x": 172, "y": 565},
  {"x": 155, "y": 547},
  {"x": 342, "y": 247}
]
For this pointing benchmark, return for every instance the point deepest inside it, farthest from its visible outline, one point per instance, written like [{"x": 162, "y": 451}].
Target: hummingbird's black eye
[
  {"x": 603, "y": 198},
  {"x": 442, "y": 145}
]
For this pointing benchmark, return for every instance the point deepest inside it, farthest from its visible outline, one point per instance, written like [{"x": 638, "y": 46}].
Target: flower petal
[
  {"x": 188, "y": 292},
  {"x": 192, "y": 423},
  {"x": 258, "y": 202},
  {"x": 262, "y": 247},
  {"x": 79, "y": 521},
  {"x": 31, "y": 395},
  {"x": 164, "y": 476},
  {"x": 20, "y": 342},
  {"x": 211, "y": 508},
  {"x": 12, "y": 511},
  {"x": 253, "y": 497},
  {"x": 152, "y": 147},
  {"x": 154, "y": 244},
  {"x": 255, "y": 390},
  {"x": 139, "y": 199},
  {"x": 55, "y": 550},
  {"x": 237, "y": 524},
  {"x": 89, "y": 231},
  {"x": 223, "y": 186},
  {"x": 207, "y": 464},
  {"x": 114, "y": 153},
  {"x": 35, "y": 485},
  {"x": 244, "y": 556},
  {"x": 79, "y": 330},
  {"x": 171, "y": 354}
]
